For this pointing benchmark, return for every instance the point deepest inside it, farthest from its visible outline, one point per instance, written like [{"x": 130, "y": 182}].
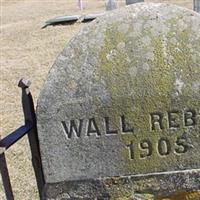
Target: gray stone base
[{"x": 109, "y": 188}]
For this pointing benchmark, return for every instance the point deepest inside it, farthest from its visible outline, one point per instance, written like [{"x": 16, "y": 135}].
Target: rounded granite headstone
[{"x": 123, "y": 100}]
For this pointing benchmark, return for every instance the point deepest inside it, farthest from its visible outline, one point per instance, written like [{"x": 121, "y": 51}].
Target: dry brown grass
[{"x": 29, "y": 51}]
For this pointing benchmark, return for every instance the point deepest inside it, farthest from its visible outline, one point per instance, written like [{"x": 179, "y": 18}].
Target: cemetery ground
[{"x": 29, "y": 51}]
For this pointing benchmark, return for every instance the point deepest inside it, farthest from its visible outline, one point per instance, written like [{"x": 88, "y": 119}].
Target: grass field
[{"x": 29, "y": 51}]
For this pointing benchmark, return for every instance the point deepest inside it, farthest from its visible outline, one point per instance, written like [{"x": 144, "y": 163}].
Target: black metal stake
[
  {"x": 5, "y": 178},
  {"x": 29, "y": 117},
  {"x": 29, "y": 128}
]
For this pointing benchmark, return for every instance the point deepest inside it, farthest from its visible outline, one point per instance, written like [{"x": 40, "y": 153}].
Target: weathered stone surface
[{"x": 123, "y": 99}]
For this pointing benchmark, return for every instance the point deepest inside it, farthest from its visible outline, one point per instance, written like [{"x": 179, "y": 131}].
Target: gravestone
[
  {"x": 196, "y": 4},
  {"x": 120, "y": 110},
  {"x": 80, "y": 4},
  {"x": 128, "y": 2},
  {"x": 111, "y": 4}
]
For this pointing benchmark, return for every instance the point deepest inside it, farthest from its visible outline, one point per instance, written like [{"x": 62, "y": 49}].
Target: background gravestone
[
  {"x": 128, "y": 2},
  {"x": 120, "y": 110},
  {"x": 196, "y": 5},
  {"x": 111, "y": 4}
]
